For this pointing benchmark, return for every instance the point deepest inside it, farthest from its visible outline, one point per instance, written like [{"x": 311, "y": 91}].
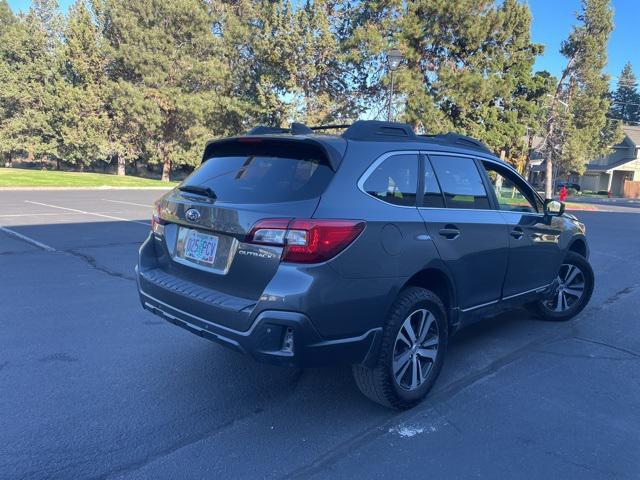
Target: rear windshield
[{"x": 262, "y": 179}]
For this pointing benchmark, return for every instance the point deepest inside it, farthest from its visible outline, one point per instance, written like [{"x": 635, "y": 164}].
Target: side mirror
[{"x": 553, "y": 208}]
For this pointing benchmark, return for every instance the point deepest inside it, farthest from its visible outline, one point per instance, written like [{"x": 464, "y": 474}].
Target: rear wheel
[
  {"x": 575, "y": 283},
  {"x": 413, "y": 347}
]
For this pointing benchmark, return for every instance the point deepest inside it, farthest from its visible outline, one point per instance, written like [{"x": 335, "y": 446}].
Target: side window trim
[
  {"x": 488, "y": 186},
  {"x": 422, "y": 160},
  {"x": 481, "y": 173},
  {"x": 513, "y": 177},
  {"x": 428, "y": 153},
  {"x": 427, "y": 160},
  {"x": 420, "y": 188},
  {"x": 374, "y": 165}
]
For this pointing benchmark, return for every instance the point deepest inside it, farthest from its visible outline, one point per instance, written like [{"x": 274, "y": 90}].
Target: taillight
[
  {"x": 157, "y": 222},
  {"x": 306, "y": 240}
]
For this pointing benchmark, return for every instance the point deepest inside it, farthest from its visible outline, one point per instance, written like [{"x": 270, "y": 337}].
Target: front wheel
[
  {"x": 414, "y": 342},
  {"x": 574, "y": 286}
]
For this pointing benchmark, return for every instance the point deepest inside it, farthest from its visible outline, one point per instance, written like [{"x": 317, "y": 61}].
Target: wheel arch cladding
[
  {"x": 439, "y": 283},
  {"x": 579, "y": 246}
]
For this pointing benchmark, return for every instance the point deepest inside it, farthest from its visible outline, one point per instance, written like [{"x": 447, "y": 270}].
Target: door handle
[
  {"x": 449, "y": 232},
  {"x": 517, "y": 233}
]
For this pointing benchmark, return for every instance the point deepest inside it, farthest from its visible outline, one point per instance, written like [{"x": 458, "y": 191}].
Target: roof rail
[
  {"x": 377, "y": 130},
  {"x": 330, "y": 127},
  {"x": 296, "y": 129},
  {"x": 300, "y": 129},
  {"x": 453, "y": 138}
]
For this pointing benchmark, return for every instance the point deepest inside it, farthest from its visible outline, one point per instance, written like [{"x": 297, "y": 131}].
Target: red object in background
[{"x": 563, "y": 193}]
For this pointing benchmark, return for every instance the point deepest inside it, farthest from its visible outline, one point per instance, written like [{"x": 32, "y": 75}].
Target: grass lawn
[{"x": 18, "y": 177}]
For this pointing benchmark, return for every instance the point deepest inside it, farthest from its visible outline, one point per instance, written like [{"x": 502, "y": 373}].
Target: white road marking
[
  {"x": 27, "y": 239},
  {"x": 128, "y": 203},
  {"x": 146, "y": 224},
  {"x": 34, "y": 215}
]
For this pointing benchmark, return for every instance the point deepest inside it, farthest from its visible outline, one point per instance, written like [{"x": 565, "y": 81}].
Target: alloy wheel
[
  {"x": 570, "y": 289},
  {"x": 415, "y": 349}
]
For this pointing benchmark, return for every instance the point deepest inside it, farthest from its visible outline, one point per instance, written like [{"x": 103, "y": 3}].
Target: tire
[
  {"x": 380, "y": 383},
  {"x": 548, "y": 309}
]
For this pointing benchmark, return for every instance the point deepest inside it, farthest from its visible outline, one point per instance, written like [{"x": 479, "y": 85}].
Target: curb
[{"x": 582, "y": 208}]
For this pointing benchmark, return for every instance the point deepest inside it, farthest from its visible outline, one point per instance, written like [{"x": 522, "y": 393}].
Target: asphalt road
[{"x": 92, "y": 386}]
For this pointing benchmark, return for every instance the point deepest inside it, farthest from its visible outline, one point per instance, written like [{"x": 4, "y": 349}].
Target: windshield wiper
[{"x": 204, "y": 191}]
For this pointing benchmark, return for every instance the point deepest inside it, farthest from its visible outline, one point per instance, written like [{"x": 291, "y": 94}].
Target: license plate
[{"x": 197, "y": 246}]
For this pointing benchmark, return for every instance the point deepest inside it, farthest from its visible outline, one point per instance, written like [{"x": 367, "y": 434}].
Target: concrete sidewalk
[{"x": 622, "y": 202}]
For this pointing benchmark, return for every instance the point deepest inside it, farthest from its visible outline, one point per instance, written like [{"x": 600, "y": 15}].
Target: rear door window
[
  {"x": 262, "y": 179},
  {"x": 395, "y": 180},
  {"x": 460, "y": 182}
]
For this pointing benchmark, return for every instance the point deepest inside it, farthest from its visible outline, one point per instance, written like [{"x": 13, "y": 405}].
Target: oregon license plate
[{"x": 197, "y": 246}]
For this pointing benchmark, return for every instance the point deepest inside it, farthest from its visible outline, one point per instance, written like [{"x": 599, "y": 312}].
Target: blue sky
[{"x": 552, "y": 20}]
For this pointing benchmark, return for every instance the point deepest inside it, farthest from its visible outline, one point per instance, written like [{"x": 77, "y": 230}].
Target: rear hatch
[{"x": 208, "y": 218}]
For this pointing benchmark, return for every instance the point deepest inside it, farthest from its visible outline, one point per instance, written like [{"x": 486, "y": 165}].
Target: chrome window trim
[
  {"x": 472, "y": 157},
  {"x": 514, "y": 171},
  {"x": 367, "y": 173}
]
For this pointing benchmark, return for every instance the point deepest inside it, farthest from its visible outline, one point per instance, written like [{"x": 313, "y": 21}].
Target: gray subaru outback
[{"x": 369, "y": 248}]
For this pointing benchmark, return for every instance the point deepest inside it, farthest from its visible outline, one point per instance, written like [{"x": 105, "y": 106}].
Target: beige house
[
  {"x": 604, "y": 174},
  {"x": 609, "y": 173}
]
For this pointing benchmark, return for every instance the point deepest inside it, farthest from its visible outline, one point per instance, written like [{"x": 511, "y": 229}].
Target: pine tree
[
  {"x": 165, "y": 67},
  {"x": 287, "y": 62},
  {"x": 321, "y": 76},
  {"x": 28, "y": 74},
  {"x": 578, "y": 129},
  {"x": 7, "y": 17},
  {"x": 625, "y": 103},
  {"x": 258, "y": 41},
  {"x": 81, "y": 113},
  {"x": 468, "y": 66},
  {"x": 7, "y": 23}
]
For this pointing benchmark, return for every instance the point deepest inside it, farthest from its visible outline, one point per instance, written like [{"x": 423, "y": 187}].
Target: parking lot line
[
  {"x": 11, "y": 215},
  {"x": 89, "y": 213},
  {"x": 128, "y": 203},
  {"x": 27, "y": 239}
]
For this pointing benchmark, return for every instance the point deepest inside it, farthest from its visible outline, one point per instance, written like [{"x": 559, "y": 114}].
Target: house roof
[
  {"x": 598, "y": 167},
  {"x": 633, "y": 134}
]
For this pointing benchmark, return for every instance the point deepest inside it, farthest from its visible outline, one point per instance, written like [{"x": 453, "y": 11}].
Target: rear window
[
  {"x": 262, "y": 179},
  {"x": 395, "y": 180}
]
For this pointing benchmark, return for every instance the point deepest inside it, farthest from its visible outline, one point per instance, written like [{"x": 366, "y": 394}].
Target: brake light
[
  {"x": 157, "y": 224},
  {"x": 306, "y": 240}
]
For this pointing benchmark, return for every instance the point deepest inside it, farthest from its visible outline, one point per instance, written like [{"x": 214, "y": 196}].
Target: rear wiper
[{"x": 205, "y": 191}]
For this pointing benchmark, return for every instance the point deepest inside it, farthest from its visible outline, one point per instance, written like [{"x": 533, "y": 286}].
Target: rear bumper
[{"x": 264, "y": 340}]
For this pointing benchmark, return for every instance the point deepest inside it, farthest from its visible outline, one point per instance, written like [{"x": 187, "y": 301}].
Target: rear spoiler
[{"x": 331, "y": 149}]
